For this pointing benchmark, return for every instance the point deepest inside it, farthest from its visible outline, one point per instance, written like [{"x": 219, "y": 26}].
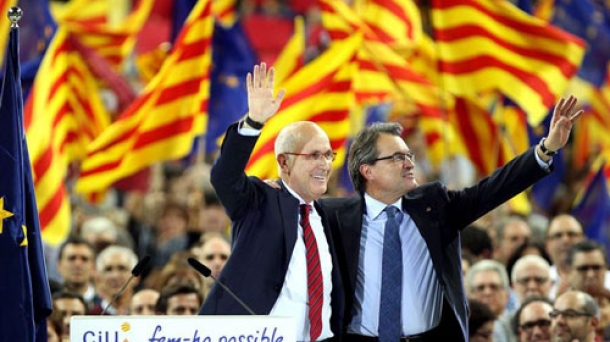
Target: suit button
[{"x": 278, "y": 288}]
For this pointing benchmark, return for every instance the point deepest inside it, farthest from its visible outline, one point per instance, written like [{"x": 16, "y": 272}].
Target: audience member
[
  {"x": 480, "y": 322},
  {"x": 179, "y": 299},
  {"x": 587, "y": 262},
  {"x": 143, "y": 302},
  {"x": 575, "y": 317},
  {"x": 114, "y": 265},
  {"x": 533, "y": 319},
  {"x": 76, "y": 265},
  {"x": 68, "y": 304}
]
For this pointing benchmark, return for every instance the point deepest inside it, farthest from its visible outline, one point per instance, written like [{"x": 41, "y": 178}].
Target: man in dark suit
[
  {"x": 282, "y": 260},
  {"x": 399, "y": 243}
]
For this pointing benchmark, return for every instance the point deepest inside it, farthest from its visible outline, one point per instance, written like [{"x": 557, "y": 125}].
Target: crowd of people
[{"x": 398, "y": 261}]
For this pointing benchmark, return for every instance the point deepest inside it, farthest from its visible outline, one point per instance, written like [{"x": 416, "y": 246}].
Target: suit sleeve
[
  {"x": 234, "y": 188},
  {"x": 503, "y": 184}
]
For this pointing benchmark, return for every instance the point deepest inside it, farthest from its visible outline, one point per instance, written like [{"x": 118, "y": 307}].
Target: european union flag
[
  {"x": 36, "y": 29},
  {"x": 232, "y": 59},
  {"x": 24, "y": 288},
  {"x": 589, "y": 20},
  {"x": 593, "y": 210}
]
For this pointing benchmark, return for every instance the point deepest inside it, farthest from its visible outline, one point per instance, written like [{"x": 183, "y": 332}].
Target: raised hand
[
  {"x": 564, "y": 117},
  {"x": 261, "y": 103}
]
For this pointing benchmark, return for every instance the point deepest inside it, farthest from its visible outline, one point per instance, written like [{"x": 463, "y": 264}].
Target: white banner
[{"x": 182, "y": 329}]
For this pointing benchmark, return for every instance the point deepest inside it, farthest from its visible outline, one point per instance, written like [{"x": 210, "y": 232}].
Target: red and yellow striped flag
[
  {"x": 325, "y": 99},
  {"x": 63, "y": 114},
  {"x": 225, "y": 12},
  {"x": 88, "y": 21},
  {"x": 487, "y": 45},
  {"x": 165, "y": 119},
  {"x": 292, "y": 57},
  {"x": 395, "y": 22}
]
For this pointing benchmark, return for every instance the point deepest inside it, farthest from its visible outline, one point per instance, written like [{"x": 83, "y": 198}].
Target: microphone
[
  {"x": 135, "y": 272},
  {"x": 206, "y": 272}
]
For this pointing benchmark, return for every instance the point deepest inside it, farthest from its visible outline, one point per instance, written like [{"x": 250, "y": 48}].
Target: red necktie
[{"x": 315, "y": 285}]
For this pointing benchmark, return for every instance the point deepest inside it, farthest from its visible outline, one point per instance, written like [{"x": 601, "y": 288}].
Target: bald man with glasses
[
  {"x": 533, "y": 320},
  {"x": 575, "y": 317}
]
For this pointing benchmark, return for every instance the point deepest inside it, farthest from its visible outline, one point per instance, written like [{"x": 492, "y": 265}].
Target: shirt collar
[
  {"x": 375, "y": 207},
  {"x": 295, "y": 195}
]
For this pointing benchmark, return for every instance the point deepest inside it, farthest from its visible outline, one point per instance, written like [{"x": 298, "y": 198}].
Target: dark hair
[
  {"x": 364, "y": 149},
  {"x": 518, "y": 253},
  {"x": 75, "y": 240},
  {"x": 585, "y": 246},
  {"x": 515, "y": 322},
  {"x": 170, "y": 291},
  {"x": 69, "y": 295},
  {"x": 476, "y": 240},
  {"x": 479, "y": 314}
]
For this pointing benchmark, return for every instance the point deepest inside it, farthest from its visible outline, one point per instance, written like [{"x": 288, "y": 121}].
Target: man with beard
[{"x": 575, "y": 317}]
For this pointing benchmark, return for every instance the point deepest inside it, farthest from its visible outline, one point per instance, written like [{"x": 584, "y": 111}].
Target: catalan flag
[
  {"x": 292, "y": 57},
  {"x": 487, "y": 45},
  {"x": 325, "y": 99},
  {"x": 24, "y": 288},
  {"x": 88, "y": 21},
  {"x": 63, "y": 114},
  {"x": 165, "y": 119},
  {"x": 395, "y": 22}
]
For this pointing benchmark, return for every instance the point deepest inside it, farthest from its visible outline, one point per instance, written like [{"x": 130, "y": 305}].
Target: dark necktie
[
  {"x": 391, "y": 280},
  {"x": 315, "y": 284}
]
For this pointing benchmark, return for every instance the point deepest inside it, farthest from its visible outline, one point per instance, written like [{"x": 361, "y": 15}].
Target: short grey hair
[
  {"x": 364, "y": 149},
  {"x": 132, "y": 258},
  {"x": 530, "y": 258},
  {"x": 487, "y": 265}
]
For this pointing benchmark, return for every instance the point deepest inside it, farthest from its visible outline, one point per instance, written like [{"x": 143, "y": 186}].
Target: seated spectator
[
  {"x": 179, "y": 299},
  {"x": 480, "y": 322},
  {"x": 533, "y": 320},
  {"x": 575, "y": 317},
  {"x": 476, "y": 243},
  {"x": 68, "y": 304},
  {"x": 143, "y": 302},
  {"x": 587, "y": 266}
]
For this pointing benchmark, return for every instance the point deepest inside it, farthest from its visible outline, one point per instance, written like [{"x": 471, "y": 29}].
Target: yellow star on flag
[{"x": 3, "y": 213}]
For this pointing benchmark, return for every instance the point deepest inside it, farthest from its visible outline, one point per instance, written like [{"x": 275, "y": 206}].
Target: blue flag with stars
[{"x": 25, "y": 299}]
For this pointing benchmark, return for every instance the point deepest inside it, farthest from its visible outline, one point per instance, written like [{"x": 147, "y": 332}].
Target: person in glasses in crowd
[
  {"x": 283, "y": 261},
  {"x": 575, "y": 317},
  {"x": 587, "y": 261},
  {"x": 533, "y": 319}
]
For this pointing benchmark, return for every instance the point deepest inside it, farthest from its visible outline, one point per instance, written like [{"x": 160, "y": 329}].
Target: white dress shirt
[
  {"x": 422, "y": 293},
  {"x": 294, "y": 297}
]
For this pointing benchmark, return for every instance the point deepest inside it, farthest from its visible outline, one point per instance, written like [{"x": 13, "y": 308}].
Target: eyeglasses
[
  {"x": 491, "y": 286},
  {"x": 559, "y": 235},
  {"x": 397, "y": 157},
  {"x": 317, "y": 156},
  {"x": 526, "y": 280},
  {"x": 587, "y": 268},
  {"x": 569, "y": 314},
  {"x": 541, "y": 323}
]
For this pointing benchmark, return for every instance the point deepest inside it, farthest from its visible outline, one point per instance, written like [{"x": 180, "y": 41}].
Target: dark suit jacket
[
  {"x": 264, "y": 232},
  {"x": 439, "y": 214}
]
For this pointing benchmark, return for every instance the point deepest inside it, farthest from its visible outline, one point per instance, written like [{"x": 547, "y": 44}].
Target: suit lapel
[
  {"x": 350, "y": 227},
  {"x": 288, "y": 205},
  {"x": 422, "y": 212}
]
